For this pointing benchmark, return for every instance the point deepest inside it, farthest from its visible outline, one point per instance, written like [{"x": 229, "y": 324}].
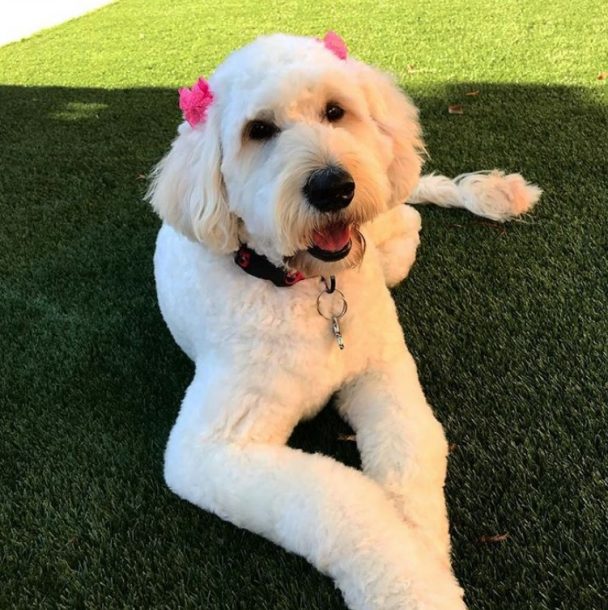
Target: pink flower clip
[
  {"x": 336, "y": 45},
  {"x": 194, "y": 102}
]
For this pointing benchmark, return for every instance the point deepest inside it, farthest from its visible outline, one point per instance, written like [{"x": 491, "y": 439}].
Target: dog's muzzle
[{"x": 329, "y": 189}]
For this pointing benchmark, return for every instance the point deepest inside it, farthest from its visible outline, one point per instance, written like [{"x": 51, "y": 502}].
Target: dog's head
[{"x": 298, "y": 149}]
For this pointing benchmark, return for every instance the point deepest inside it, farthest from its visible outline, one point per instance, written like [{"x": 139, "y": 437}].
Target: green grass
[{"x": 509, "y": 326}]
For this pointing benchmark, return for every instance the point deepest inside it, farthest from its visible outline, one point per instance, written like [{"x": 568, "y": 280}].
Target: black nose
[{"x": 329, "y": 189}]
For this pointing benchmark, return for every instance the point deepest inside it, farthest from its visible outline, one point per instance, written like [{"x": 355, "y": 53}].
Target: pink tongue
[{"x": 332, "y": 239}]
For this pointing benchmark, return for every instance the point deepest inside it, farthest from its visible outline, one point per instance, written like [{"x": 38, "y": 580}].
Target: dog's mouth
[
  {"x": 332, "y": 243},
  {"x": 336, "y": 246}
]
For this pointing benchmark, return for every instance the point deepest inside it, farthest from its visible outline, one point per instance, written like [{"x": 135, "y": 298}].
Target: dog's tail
[{"x": 490, "y": 194}]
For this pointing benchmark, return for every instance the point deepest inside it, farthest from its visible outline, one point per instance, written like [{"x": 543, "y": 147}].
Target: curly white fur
[
  {"x": 490, "y": 194},
  {"x": 265, "y": 358}
]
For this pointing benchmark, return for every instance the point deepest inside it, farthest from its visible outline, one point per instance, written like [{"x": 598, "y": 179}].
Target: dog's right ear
[{"x": 187, "y": 189}]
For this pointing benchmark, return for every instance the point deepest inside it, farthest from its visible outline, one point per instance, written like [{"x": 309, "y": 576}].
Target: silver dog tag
[
  {"x": 335, "y": 326},
  {"x": 332, "y": 305}
]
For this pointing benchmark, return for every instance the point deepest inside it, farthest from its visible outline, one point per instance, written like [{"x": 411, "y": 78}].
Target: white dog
[{"x": 282, "y": 200}]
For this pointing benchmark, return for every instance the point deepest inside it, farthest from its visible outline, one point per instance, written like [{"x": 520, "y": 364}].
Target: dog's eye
[
  {"x": 261, "y": 130},
  {"x": 333, "y": 112}
]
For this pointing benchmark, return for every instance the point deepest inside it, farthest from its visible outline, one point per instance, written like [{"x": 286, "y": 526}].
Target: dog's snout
[{"x": 329, "y": 189}]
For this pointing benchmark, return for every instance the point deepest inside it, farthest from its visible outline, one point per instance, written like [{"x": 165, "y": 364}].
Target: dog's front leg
[
  {"x": 334, "y": 516},
  {"x": 402, "y": 445}
]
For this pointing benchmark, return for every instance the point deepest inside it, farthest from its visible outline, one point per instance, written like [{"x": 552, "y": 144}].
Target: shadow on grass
[{"x": 508, "y": 342}]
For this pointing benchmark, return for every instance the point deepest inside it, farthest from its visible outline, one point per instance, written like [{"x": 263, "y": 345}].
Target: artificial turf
[{"x": 508, "y": 324}]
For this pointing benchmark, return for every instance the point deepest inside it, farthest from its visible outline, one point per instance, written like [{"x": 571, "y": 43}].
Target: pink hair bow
[
  {"x": 194, "y": 102},
  {"x": 336, "y": 45}
]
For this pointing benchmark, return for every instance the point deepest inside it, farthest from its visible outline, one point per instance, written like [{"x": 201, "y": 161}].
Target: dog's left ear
[{"x": 396, "y": 118}]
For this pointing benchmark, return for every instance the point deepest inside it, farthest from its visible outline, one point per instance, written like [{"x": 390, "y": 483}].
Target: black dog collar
[{"x": 259, "y": 266}]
